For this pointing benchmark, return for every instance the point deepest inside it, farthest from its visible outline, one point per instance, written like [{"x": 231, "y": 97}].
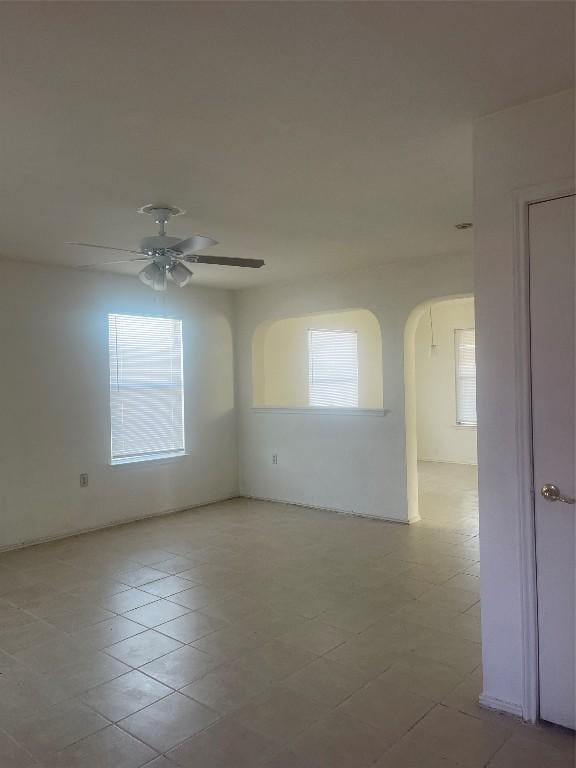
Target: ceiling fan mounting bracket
[{"x": 161, "y": 212}]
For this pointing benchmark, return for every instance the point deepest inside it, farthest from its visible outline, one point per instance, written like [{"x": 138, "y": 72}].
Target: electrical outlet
[
  {"x": 83, "y": 480},
  {"x": 274, "y": 458}
]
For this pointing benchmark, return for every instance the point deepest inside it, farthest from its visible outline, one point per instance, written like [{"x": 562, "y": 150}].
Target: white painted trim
[
  {"x": 499, "y": 705},
  {"x": 448, "y": 461},
  {"x": 327, "y": 509},
  {"x": 522, "y": 199},
  {"x": 317, "y": 411},
  {"x": 114, "y": 523}
]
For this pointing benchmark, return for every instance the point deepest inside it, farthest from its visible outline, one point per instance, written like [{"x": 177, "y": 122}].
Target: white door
[{"x": 552, "y": 311}]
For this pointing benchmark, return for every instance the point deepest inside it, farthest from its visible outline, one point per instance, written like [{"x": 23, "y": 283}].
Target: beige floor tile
[
  {"x": 56, "y": 728},
  {"x": 367, "y": 658},
  {"x": 228, "y": 643},
  {"x": 108, "y": 632},
  {"x": 199, "y": 596},
  {"x": 11, "y": 580},
  {"x": 315, "y": 636},
  {"x": 468, "y": 626},
  {"x": 151, "y": 556},
  {"x": 161, "y": 762},
  {"x": 76, "y": 620},
  {"x": 79, "y": 677},
  {"x": 400, "y": 601},
  {"x": 464, "y": 739},
  {"x": 109, "y": 748},
  {"x": 425, "y": 678},
  {"x": 12, "y": 755},
  {"x": 128, "y": 600},
  {"x": 465, "y": 698},
  {"x": 280, "y": 714},
  {"x": 289, "y": 759},
  {"x": 231, "y": 608},
  {"x": 181, "y": 667},
  {"x": 462, "y": 655},
  {"x": 326, "y": 681},
  {"x": 8, "y": 663},
  {"x": 137, "y": 577},
  {"x": 276, "y": 660},
  {"x": 11, "y": 617},
  {"x": 340, "y": 741},
  {"x": 171, "y": 585},
  {"x": 227, "y": 688},
  {"x": 226, "y": 744},
  {"x": 169, "y": 721},
  {"x": 270, "y": 623},
  {"x": 392, "y": 710},
  {"x": 465, "y": 581},
  {"x": 19, "y": 639},
  {"x": 553, "y": 735},
  {"x": 99, "y": 589},
  {"x": 30, "y": 596},
  {"x": 191, "y": 626},
  {"x": 143, "y": 648},
  {"x": 526, "y": 753},
  {"x": 408, "y": 754},
  {"x": 174, "y": 565},
  {"x": 450, "y": 598},
  {"x": 125, "y": 695},
  {"x": 154, "y": 614},
  {"x": 55, "y": 654}
]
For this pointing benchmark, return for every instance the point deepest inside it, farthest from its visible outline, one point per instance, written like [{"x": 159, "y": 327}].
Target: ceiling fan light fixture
[
  {"x": 154, "y": 276},
  {"x": 179, "y": 274}
]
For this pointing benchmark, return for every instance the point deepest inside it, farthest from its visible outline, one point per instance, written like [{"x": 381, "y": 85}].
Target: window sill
[
  {"x": 465, "y": 426},
  {"x": 321, "y": 411},
  {"x": 161, "y": 458}
]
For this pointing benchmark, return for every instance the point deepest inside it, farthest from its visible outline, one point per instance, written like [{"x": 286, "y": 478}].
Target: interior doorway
[
  {"x": 445, "y": 373},
  {"x": 440, "y": 376}
]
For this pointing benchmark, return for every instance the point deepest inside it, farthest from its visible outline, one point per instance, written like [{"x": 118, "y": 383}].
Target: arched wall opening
[
  {"x": 280, "y": 358},
  {"x": 430, "y": 407}
]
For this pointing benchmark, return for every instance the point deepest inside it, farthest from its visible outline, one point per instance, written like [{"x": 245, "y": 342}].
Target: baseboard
[
  {"x": 499, "y": 705},
  {"x": 114, "y": 524},
  {"x": 449, "y": 461},
  {"x": 326, "y": 509}
]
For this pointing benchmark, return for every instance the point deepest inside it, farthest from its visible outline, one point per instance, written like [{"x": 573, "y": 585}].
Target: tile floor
[{"x": 250, "y": 634}]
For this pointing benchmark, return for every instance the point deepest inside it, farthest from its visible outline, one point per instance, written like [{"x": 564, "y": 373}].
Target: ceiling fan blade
[
  {"x": 225, "y": 262},
  {"x": 105, "y": 247},
  {"x": 193, "y": 244},
  {"x": 120, "y": 261}
]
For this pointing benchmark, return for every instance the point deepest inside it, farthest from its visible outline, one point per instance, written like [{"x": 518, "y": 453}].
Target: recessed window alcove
[{"x": 329, "y": 360}]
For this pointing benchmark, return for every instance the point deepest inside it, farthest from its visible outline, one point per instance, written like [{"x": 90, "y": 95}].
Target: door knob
[{"x": 552, "y": 493}]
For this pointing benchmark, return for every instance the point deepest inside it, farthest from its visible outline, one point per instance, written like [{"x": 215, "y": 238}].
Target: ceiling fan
[{"x": 167, "y": 254}]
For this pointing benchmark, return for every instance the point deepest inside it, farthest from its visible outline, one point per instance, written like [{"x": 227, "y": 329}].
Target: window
[
  {"x": 333, "y": 368},
  {"x": 146, "y": 392},
  {"x": 465, "y": 351}
]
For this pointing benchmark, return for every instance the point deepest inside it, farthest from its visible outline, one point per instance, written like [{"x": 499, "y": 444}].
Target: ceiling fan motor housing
[{"x": 157, "y": 243}]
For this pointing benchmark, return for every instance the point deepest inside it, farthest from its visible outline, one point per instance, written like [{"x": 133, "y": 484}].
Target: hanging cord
[{"x": 432, "y": 344}]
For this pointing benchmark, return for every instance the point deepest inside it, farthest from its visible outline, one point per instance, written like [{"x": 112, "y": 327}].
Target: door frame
[{"x": 523, "y": 198}]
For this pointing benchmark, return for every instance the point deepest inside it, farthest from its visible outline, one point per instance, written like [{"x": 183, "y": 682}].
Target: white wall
[
  {"x": 54, "y": 395},
  {"x": 355, "y": 463},
  {"x": 529, "y": 145},
  {"x": 440, "y": 438}
]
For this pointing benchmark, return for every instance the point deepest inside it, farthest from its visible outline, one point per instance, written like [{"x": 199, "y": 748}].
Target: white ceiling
[{"x": 318, "y": 136}]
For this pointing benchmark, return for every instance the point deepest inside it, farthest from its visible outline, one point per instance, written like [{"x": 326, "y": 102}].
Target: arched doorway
[{"x": 440, "y": 405}]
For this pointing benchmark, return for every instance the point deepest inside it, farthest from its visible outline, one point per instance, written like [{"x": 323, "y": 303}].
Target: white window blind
[
  {"x": 146, "y": 387},
  {"x": 333, "y": 368},
  {"x": 465, "y": 351}
]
